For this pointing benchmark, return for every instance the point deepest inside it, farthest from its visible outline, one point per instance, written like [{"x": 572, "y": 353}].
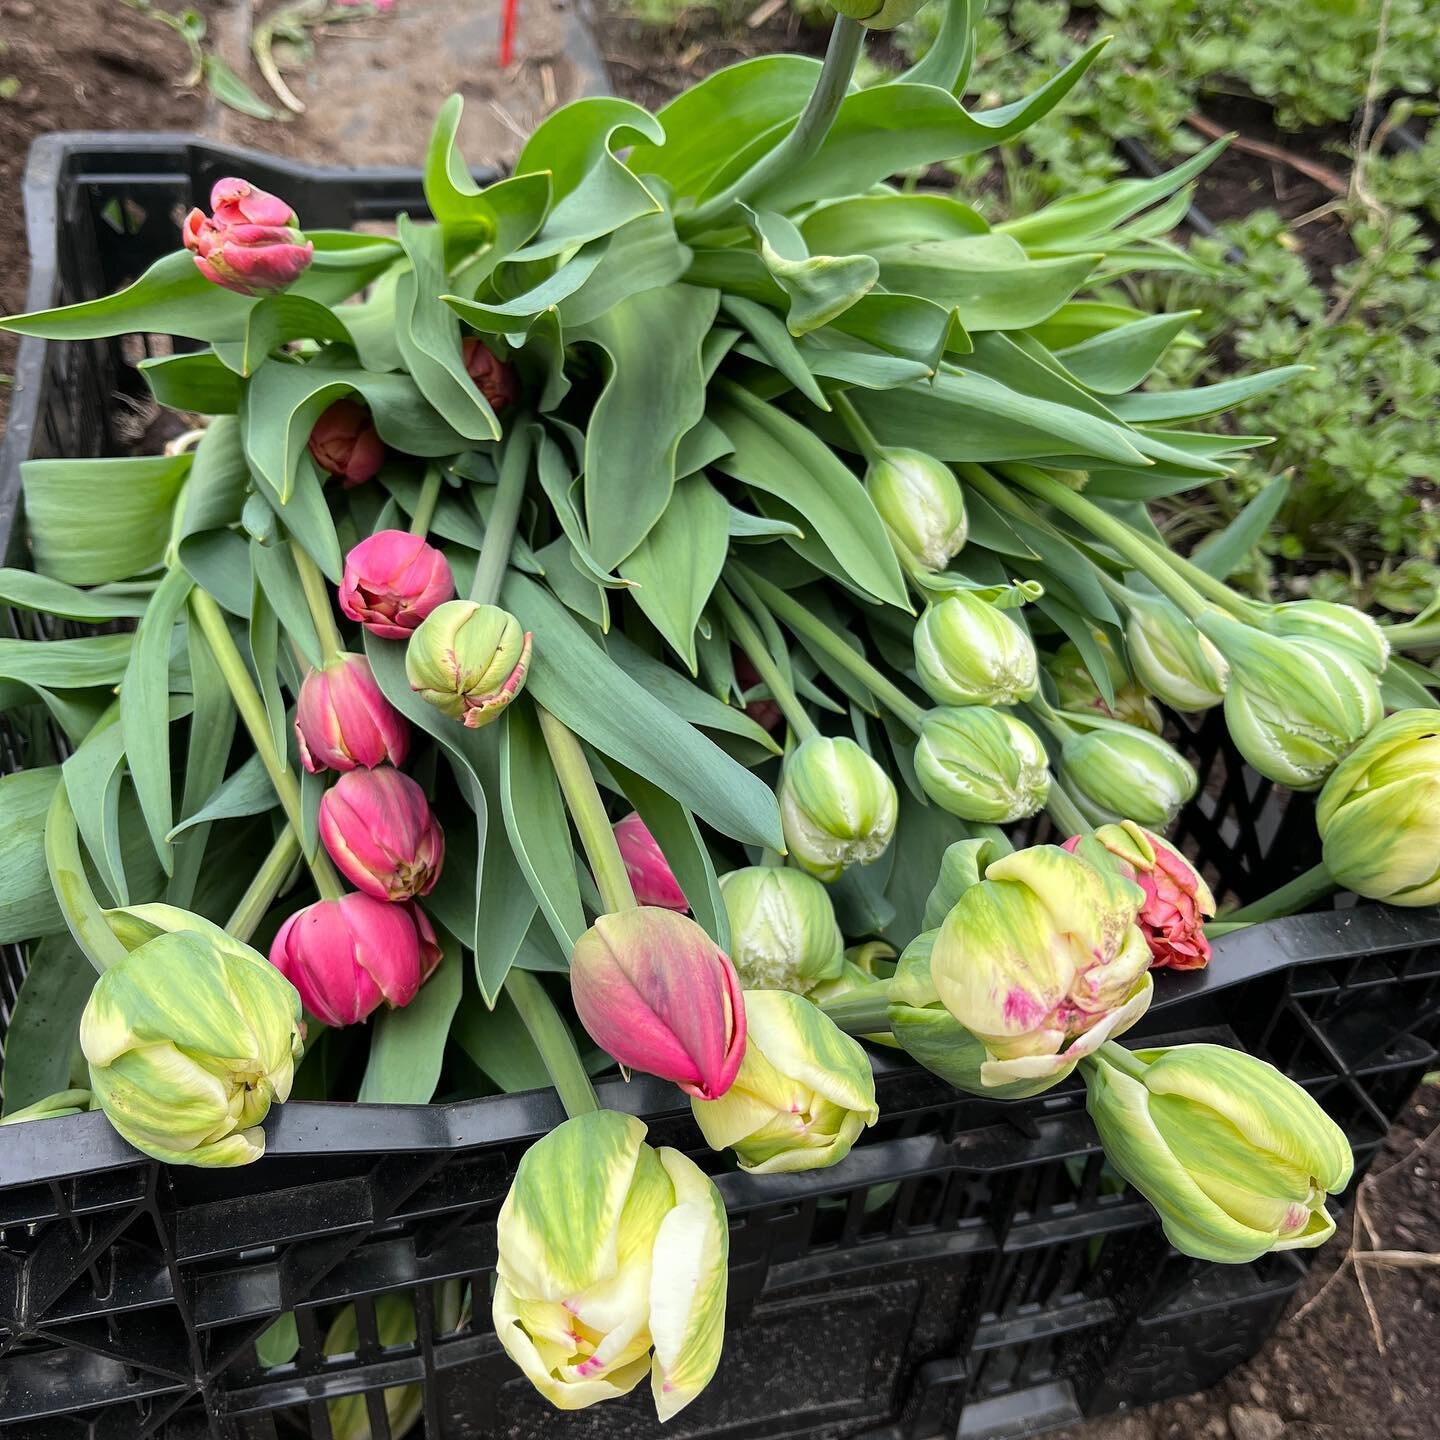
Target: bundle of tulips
[{"x": 600, "y": 508}]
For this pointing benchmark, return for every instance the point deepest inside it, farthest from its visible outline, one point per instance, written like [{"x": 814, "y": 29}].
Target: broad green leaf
[
  {"x": 274, "y": 567},
  {"x": 197, "y": 382},
  {"x": 145, "y": 707},
  {"x": 408, "y": 1045},
  {"x": 674, "y": 829},
  {"x": 1160, "y": 406},
  {"x": 80, "y": 664},
  {"x": 537, "y": 824},
  {"x": 277, "y": 319},
  {"x": 818, "y": 287},
  {"x": 578, "y": 683},
  {"x": 989, "y": 279},
  {"x": 27, "y": 903},
  {"x": 705, "y": 125},
  {"x": 775, "y": 344},
  {"x": 306, "y": 516},
  {"x": 91, "y": 522},
  {"x": 643, "y": 255},
  {"x": 1082, "y": 217},
  {"x": 1079, "y": 629},
  {"x": 212, "y": 728},
  {"x": 1404, "y": 685},
  {"x": 44, "y": 1028},
  {"x": 247, "y": 791},
  {"x": 871, "y": 223},
  {"x": 497, "y": 1041},
  {"x": 213, "y": 499},
  {"x": 428, "y": 335},
  {"x": 26, "y": 590},
  {"x": 1120, "y": 359},
  {"x": 93, "y": 776},
  {"x": 907, "y": 326},
  {"x": 1222, "y": 552},
  {"x": 515, "y": 315},
  {"x": 778, "y": 455},
  {"x": 652, "y": 395},
  {"x": 561, "y": 488},
  {"x": 676, "y": 565},
  {"x": 893, "y": 128},
  {"x": 283, "y": 402},
  {"x": 947, "y": 62},
  {"x": 593, "y": 193},
  {"x": 1081, "y": 319}
]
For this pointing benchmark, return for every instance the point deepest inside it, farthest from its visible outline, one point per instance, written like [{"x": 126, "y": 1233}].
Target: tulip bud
[
  {"x": 837, "y": 806},
  {"x": 346, "y": 444},
  {"x": 1118, "y": 772},
  {"x": 968, "y": 652},
  {"x": 1295, "y": 708},
  {"x": 1041, "y": 961},
  {"x": 611, "y": 1265},
  {"x": 468, "y": 660},
  {"x": 1235, "y": 1156},
  {"x": 190, "y": 1039},
  {"x": 1172, "y": 659},
  {"x": 1177, "y": 899},
  {"x": 921, "y": 503},
  {"x": 783, "y": 934},
  {"x": 251, "y": 243},
  {"x": 494, "y": 378},
  {"x": 765, "y": 713},
  {"x": 884, "y": 15},
  {"x": 343, "y": 722},
  {"x": 1379, "y": 813},
  {"x": 1342, "y": 627},
  {"x": 982, "y": 764},
  {"x": 378, "y": 828},
  {"x": 392, "y": 581},
  {"x": 346, "y": 956},
  {"x": 1077, "y": 690},
  {"x": 804, "y": 1093},
  {"x": 651, "y": 877},
  {"x": 656, "y": 992}
]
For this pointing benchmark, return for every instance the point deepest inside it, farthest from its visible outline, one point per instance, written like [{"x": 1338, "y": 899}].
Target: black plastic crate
[{"x": 971, "y": 1268}]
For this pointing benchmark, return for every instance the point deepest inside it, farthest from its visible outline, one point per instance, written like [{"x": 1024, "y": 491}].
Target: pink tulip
[
  {"x": 251, "y": 244},
  {"x": 343, "y": 722},
  {"x": 1177, "y": 899},
  {"x": 765, "y": 713},
  {"x": 494, "y": 378},
  {"x": 346, "y": 444},
  {"x": 346, "y": 956},
  {"x": 654, "y": 990},
  {"x": 378, "y": 828},
  {"x": 651, "y": 877},
  {"x": 393, "y": 581}
]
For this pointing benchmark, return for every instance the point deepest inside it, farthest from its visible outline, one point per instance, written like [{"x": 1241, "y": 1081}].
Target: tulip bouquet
[{"x": 610, "y": 621}]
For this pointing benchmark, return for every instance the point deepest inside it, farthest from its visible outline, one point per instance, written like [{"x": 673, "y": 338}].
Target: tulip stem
[
  {"x": 860, "y": 432},
  {"x": 847, "y": 37},
  {"x": 1063, "y": 810},
  {"x": 425, "y": 505},
  {"x": 1413, "y": 634},
  {"x": 748, "y": 638},
  {"x": 587, "y": 809},
  {"x": 814, "y": 631},
  {"x": 252, "y": 712},
  {"x": 1208, "y": 586},
  {"x": 1126, "y": 542},
  {"x": 1314, "y": 883},
  {"x": 504, "y": 514},
  {"x": 317, "y": 597},
  {"x": 863, "y": 1011},
  {"x": 552, "y": 1038},
  {"x": 83, "y": 915},
  {"x": 265, "y": 886},
  {"x": 1119, "y": 1057}
]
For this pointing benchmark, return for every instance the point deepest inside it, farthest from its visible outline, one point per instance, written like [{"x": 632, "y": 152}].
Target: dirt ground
[{"x": 92, "y": 64}]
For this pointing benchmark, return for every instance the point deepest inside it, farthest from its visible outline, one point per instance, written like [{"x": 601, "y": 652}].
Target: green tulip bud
[
  {"x": 1379, "y": 813},
  {"x": 468, "y": 660},
  {"x": 1172, "y": 659},
  {"x": 981, "y": 764},
  {"x": 1295, "y": 708},
  {"x": 1235, "y": 1156},
  {"x": 783, "y": 934},
  {"x": 1117, "y": 772},
  {"x": 1076, "y": 689},
  {"x": 969, "y": 653},
  {"x": 884, "y": 16},
  {"x": 921, "y": 503},
  {"x": 1342, "y": 627},
  {"x": 611, "y": 1267},
  {"x": 837, "y": 806},
  {"x": 190, "y": 1038},
  {"x": 804, "y": 1093}
]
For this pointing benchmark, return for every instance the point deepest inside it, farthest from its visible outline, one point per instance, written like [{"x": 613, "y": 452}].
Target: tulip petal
[
  {"x": 802, "y": 1042},
  {"x": 688, "y": 1287}
]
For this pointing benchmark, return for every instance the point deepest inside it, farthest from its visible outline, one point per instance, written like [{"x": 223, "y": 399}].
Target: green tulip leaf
[
  {"x": 27, "y": 590},
  {"x": 199, "y": 383},
  {"x": 44, "y": 1027},
  {"x": 407, "y": 1045}
]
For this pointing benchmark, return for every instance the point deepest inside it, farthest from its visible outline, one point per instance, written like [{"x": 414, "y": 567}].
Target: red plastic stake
[{"x": 507, "y": 32}]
